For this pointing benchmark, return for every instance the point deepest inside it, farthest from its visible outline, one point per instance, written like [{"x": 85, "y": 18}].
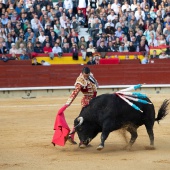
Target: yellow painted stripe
[{"x": 69, "y": 60}]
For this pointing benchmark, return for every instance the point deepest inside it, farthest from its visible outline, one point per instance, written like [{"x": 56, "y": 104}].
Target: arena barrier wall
[{"x": 27, "y": 80}]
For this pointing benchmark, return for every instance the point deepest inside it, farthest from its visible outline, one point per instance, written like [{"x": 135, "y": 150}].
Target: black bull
[{"x": 108, "y": 112}]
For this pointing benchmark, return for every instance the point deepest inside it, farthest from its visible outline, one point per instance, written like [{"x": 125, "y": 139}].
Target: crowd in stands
[{"x": 28, "y": 27}]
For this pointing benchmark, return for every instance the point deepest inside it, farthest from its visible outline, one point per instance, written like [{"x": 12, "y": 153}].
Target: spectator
[
  {"x": 143, "y": 48},
  {"x": 119, "y": 32},
  {"x": 80, "y": 17},
  {"x": 154, "y": 55},
  {"x": 41, "y": 37},
  {"x": 74, "y": 51},
  {"x": 152, "y": 40},
  {"x": 90, "y": 50},
  {"x": 8, "y": 43},
  {"x": 163, "y": 55},
  {"x": 82, "y": 42},
  {"x": 115, "y": 6},
  {"x": 132, "y": 47},
  {"x": 38, "y": 48},
  {"x": 45, "y": 63},
  {"x": 21, "y": 48},
  {"x": 13, "y": 50},
  {"x": 24, "y": 56},
  {"x": 34, "y": 62},
  {"x": 145, "y": 60},
  {"x": 57, "y": 50},
  {"x": 47, "y": 49},
  {"x": 66, "y": 48},
  {"x": 161, "y": 40},
  {"x": 3, "y": 49},
  {"x": 67, "y": 4},
  {"x": 110, "y": 47},
  {"x": 82, "y": 5},
  {"x": 123, "y": 48},
  {"x": 91, "y": 61},
  {"x": 20, "y": 41},
  {"x": 102, "y": 47}
]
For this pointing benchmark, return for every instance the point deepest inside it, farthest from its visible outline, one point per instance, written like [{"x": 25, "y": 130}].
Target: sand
[{"x": 26, "y": 130}]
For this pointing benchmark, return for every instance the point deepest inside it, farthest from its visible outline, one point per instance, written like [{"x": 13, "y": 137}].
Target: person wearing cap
[
  {"x": 109, "y": 30},
  {"x": 87, "y": 84},
  {"x": 38, "y": 48}
]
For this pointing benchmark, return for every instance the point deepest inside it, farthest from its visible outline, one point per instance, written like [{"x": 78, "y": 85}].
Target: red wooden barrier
[{"x": 65, "y": 75}]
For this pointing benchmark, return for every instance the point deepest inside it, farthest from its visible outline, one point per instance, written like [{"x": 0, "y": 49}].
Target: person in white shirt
[
  {"x": 45, "y": 63},
  {"x": 139, "y": 14},
  {"x": 82, "y": 5},
  {"x": 109, "y": 23},
  {"x": 126, "y": 6},
  {"x": 111, "y": 16},
  {"x": 36, "y": 24},
  {"x": 67, "y": 4},
  {"x": 152, "y": 40},
  {"x": 115, "y": 6},
  {"x": 134, "y": 5},
  {"x": 57, "y": 50},
  {"x": 163, "y": 55},
  {"x": 41, "y": 38}
]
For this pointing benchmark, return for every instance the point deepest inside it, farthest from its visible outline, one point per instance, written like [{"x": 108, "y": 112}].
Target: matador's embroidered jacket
[{"x": 87, "y": 87}]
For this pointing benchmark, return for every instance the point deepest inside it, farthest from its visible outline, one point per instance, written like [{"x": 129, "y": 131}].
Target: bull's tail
[{"x": 163, "y": 110}]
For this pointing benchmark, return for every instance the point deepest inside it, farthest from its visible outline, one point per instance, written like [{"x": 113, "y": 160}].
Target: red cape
[{"x": 61, "y": 128}]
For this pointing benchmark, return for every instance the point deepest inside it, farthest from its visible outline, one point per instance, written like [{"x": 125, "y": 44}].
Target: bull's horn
[{"x": 80, "y": 119}]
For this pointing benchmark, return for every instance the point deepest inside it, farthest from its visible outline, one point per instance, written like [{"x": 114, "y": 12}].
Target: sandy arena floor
[{"x": 26, "y": 130}]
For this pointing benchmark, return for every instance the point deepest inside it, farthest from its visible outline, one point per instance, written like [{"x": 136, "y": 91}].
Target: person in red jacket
[{"x": 47, "y": 49}]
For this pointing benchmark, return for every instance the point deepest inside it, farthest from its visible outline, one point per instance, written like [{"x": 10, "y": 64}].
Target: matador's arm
[{"x": 74, "y": 94}]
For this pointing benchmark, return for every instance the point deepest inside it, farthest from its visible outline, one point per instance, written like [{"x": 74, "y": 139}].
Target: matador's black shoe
[{"x": 71, "y": 140}]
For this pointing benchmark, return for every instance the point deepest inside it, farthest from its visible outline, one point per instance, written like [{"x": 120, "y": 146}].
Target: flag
[{"x": 61, "y": 128}]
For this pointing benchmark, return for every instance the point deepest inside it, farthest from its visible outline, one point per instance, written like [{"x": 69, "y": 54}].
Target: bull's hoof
[
  {"x": 128, "y": 147},
  {"x": 100, "y": 147},
  {"x": 82, "y": 146},
  {"x": 149, "y": 147}
]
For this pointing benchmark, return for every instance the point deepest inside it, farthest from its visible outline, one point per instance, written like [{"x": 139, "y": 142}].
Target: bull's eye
[{"x": 80, "y": 128}]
